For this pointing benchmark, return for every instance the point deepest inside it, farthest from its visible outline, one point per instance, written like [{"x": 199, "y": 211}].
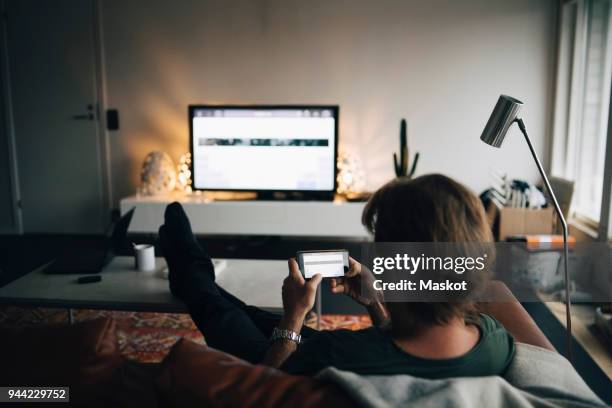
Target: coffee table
[{"x": 256, "y": 282}]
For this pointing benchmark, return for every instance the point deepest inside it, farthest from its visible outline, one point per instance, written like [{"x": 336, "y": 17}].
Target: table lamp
[{"x": 503, "y": 116}]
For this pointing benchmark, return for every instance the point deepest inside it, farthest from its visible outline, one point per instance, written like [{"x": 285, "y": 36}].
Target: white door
[{"x": 51, "y": 58}]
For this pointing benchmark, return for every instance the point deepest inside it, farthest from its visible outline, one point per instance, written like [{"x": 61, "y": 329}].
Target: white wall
[{"x": 441, "y": 64}]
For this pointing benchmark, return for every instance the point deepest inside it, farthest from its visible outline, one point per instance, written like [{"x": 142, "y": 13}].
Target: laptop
[{"x": 95, "y": 259}]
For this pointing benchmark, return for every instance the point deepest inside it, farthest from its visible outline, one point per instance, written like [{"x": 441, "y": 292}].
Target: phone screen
[{"x": 329, "y": 264}]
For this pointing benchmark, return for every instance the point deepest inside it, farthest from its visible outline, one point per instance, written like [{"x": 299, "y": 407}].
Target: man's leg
[
  {"x": 265, "y": 321},
  {"x": 225, "y": 326}
]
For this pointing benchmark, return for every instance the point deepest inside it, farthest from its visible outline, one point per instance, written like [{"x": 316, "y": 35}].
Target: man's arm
[
  {"x": 281, "y": 349},
  {"x": 379, "y": 314},
  {"x": 298, "y": 299}
]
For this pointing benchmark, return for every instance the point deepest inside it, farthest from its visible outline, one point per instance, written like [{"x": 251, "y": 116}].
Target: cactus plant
[{"x": 401, "y": 165}]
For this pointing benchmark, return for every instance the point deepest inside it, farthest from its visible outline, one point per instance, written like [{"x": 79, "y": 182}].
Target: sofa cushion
[
  {"x": 83, "y": 356},
  {"x": 193, "y": 375},
  {"x": 133, "y": 385}
]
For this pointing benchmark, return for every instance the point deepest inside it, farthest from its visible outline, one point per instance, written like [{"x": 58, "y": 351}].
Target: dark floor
[{"x": 21, "y": 254}]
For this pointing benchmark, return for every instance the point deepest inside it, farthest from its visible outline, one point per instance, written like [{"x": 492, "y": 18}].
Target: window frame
[{"x": 572, "y": 46}]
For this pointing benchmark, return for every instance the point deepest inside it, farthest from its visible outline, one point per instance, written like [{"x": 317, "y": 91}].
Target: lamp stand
[{"x": 568, "y": 317}]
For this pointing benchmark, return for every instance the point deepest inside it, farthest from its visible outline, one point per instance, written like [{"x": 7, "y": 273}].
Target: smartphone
[{"x": 332, "y": 263}]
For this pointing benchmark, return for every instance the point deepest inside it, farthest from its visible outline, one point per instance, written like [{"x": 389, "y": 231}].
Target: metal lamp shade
[{"x": 505, "y": 112}]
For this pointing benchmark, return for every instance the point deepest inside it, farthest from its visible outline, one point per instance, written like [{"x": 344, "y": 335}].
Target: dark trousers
[{"x": 227, "y": 323}]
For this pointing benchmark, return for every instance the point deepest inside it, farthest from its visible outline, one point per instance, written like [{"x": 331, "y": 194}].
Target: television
[{"x": 265, "y": 149}]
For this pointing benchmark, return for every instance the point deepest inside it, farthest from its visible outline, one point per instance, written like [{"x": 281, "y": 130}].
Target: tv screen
[{"x": 264, "y": 148}]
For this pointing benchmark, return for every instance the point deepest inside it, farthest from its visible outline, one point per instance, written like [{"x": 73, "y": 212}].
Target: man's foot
[
  {"x": 179, "y": 230},
  {"x": 184, "y": 255}
]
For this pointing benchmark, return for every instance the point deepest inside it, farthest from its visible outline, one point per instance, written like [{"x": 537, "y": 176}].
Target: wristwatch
[{"x": 282, "y": 334}]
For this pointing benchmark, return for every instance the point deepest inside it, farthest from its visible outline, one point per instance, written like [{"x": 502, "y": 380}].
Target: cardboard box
[{"x": 521, "y": 221}]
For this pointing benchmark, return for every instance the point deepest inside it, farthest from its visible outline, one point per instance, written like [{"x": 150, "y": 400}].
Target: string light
[
  {"x": 351, "y": 178},
  {"x": 183, "y": 171}
]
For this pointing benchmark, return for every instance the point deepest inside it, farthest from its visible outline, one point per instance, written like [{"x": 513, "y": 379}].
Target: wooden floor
[{"x": 583, "y": 330}]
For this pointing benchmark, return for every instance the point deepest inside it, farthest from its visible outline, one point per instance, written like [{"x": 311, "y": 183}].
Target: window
[{"x": 582, "y": 103}]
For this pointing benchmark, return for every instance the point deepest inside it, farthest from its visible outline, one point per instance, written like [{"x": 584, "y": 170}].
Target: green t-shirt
[{"x": 372, "y": 352}]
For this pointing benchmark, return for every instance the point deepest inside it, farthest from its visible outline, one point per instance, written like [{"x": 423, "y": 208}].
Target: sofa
[{"x": 86, "y": 357}]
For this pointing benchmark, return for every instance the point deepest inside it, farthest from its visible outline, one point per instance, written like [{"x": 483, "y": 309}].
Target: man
[{"x": 426, "y": 339}]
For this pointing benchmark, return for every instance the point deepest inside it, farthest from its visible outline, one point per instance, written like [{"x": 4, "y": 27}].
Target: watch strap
[{"x": 283, "y": 334}]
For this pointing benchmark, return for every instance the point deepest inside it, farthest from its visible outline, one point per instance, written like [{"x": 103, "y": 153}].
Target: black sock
[
  {"x": 179, "y": 229},
  {"x": 177, "y": 268},
  {"x": 184, "y": 244}
]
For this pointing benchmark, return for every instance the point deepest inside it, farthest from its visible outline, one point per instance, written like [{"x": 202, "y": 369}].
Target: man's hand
[
  {"x": 298, "y": 297},
  {"x": 353, "y": 283},
  {"x": 357, "y": 283}
]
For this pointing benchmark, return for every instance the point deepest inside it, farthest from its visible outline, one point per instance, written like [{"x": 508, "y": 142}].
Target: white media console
[{"x": 251, "y": 217}]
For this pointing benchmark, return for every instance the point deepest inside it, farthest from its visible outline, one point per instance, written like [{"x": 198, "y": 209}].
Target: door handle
[{"x": 87, "y": 116}]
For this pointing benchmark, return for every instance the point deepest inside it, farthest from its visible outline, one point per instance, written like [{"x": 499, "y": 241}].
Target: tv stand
[{"x": 293, "y": 217}]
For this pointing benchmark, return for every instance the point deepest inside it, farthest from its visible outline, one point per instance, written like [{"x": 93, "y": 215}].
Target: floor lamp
[{"x": 503, "y": 116}]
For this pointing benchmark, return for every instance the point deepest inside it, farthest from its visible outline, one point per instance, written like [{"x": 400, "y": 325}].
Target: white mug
[{"x": 144, "y": 257}]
